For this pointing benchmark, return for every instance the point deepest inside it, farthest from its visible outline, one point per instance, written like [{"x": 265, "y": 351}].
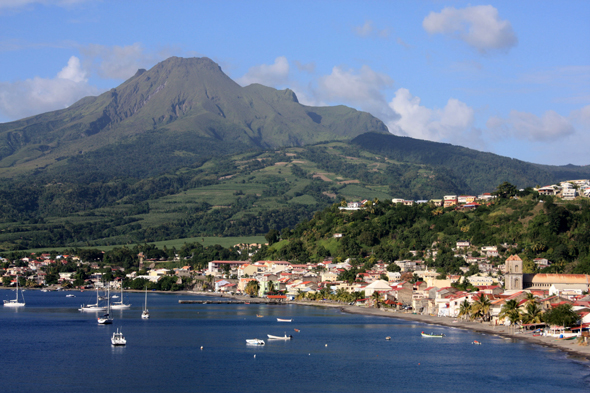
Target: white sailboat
[
  {"x": 120, "y": 305},
  {"x": 145, "y": 314},
  {"x": 15, "y": 302},
  {"x": 93, "y": 307},
  {"x": 106, "y": 318}
]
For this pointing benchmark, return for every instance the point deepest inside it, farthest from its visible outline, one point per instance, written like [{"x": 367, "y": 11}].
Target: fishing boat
[
  {"x": 566, "y": 338},
  {"x": 118, "y": 339},
  {"x": 106, "y": 318},
  {"x": 120, "y": 305},
  {"x": 259, "y": 316},
  {"x": 15, "y": 302},
  {"x": 93, "y": 307},
  {"x": 441, "y": 335},
  {"x": 285, "y": 337},
  {"x": 145, "y": 314},
  {"x": 255, "y": 341},
  {"x": 284, "y": 320}
]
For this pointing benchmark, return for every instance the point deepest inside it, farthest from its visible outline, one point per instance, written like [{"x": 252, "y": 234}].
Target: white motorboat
[
  {"x": 115, "y": 297},
  {"x": 70, "y": 295},
  {"x": 106, "y": 319},
  {"x": 255, "y": 341},
  {"x": 93, "y": 307},
  {"x": 15, "y": 302},
  {"x": 118, "y": 338},
  {"x": 120, "y": 305},
  {"x": 284, "y": 320},
  {"x": 285, "y": 337},
  {"x": 145, "y": 314}
]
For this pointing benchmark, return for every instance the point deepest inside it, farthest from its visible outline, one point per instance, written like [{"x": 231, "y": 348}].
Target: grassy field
[{"x": 178, "y": 243}]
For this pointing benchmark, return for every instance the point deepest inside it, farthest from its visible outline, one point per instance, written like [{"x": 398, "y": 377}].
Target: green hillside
[{"x": 532, "y": 226}]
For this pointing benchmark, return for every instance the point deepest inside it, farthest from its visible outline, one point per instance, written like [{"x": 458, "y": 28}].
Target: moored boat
[
  {"x": 441, "y": 335},
  {"x": 145, "y": 314},
  {"x": 15, "y": 302},
  {"x": 118, "y": 339},
  {"x": 284, "y": 320},
  {"x": 255, "y": 341},
  {"x": 285, "y": 337}
]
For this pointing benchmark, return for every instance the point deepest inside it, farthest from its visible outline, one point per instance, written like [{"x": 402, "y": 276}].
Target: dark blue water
[{"x": 49, "y": 346}]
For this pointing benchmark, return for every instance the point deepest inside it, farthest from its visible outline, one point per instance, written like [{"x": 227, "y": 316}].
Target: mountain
[
  {"x": 174, "y": 115},
  {"x": 478, "y": 170}
]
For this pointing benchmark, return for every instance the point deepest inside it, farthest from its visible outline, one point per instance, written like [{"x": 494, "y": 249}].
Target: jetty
[{"x": 265, "y": 301}]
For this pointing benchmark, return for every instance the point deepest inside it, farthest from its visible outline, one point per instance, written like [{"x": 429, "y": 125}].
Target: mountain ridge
[{"x": 181, "y": 98}]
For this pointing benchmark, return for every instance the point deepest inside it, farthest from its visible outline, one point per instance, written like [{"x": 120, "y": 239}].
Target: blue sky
[{"x": 508, "y": 77}]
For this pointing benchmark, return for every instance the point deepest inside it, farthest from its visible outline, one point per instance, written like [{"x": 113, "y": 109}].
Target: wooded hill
[{"x": 532, "y": 226}]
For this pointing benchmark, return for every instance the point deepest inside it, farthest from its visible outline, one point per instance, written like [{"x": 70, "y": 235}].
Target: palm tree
[
  {"x": 481, "y": 308},
  {"x": 533, "y": 313},
  {"x": 508, "y": 309},
  {"x": 464, "y": 309},
  {"x": 376, "y": 298},
  {"x": 530, "y": 297}
]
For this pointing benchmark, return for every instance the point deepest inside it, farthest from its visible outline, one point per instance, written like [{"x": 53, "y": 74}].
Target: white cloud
[
  {"x": 25, "y": 98},
  {"x": 361, "y": 89},
  {"x": 367, "y": 29},
  {"x": 527, "y": 126},
  {"x": 453, "y": 123},
  {"x": 73, "y": 71},
  {"x": 119, "y": 62},
  {"x": 274, "y": 75},
  {"x": 581, "y": 116},
  {"x": 478, "y": 26}
]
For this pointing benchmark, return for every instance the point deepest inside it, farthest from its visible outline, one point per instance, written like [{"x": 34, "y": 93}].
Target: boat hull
[
  {"x": 254, "y": 341},
  {"x": 271, "y": 337}
]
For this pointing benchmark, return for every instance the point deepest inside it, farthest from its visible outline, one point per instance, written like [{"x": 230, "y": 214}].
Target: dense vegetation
[{"x": 532, "y": 226}]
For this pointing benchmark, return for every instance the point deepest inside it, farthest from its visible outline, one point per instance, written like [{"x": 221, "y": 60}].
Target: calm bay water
[{"x": 49, "y": 346}]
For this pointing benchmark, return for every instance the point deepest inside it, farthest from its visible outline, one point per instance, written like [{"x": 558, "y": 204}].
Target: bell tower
[{"x": 513, "y": 276}]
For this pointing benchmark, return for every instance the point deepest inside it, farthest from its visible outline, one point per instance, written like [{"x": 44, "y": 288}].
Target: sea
[{"x": 49, "y": 346}]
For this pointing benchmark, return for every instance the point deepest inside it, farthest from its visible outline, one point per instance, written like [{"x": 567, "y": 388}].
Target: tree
[
  {"x": 481, "y": 308},
  {"x": 508, "y": 309},
  {"x": 376, "y": 296},
  {"x": 562, "y": 315},
  {"x": 464, "y": 309},
  {"x": 533, "y": 313},
  {"x": 272, "y": 236},
  {"x": 252, "y": 288},
  {"x": 505, "y": 190}
]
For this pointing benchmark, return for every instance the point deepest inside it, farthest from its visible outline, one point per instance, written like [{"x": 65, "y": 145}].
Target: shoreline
[{"x": 570, "y": 348}]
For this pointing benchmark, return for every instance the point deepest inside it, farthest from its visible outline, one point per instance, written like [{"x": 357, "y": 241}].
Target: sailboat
[
  {"x": 120, "y": 305},
  {"x": 106, "y": 318},
  {"x": 15, "y": 302},
  {"x": 145, "y": 314},
  {"x": 93, "y": 307}
]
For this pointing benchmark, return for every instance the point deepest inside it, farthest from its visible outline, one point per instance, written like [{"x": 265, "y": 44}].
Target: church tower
[{"x": 513, "y": 276}]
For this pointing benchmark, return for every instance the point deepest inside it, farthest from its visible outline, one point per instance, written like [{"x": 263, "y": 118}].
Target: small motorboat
[
  {"x": 441, "y": 335},
  {"x": 284, "y": 320},
  {"x": 297, "y": 330},
  {"x": 566, "y": 338},
  {"x": 259, "y": 316},
  {"x": 285, "y": 337},
  {"x": 255, "y": 341},
  {"x": 118, "y": 339},
  {"x": 475, "y": 342},
  {"x": 388, "y": 338},
  {"x": 70, "y": 295}
]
